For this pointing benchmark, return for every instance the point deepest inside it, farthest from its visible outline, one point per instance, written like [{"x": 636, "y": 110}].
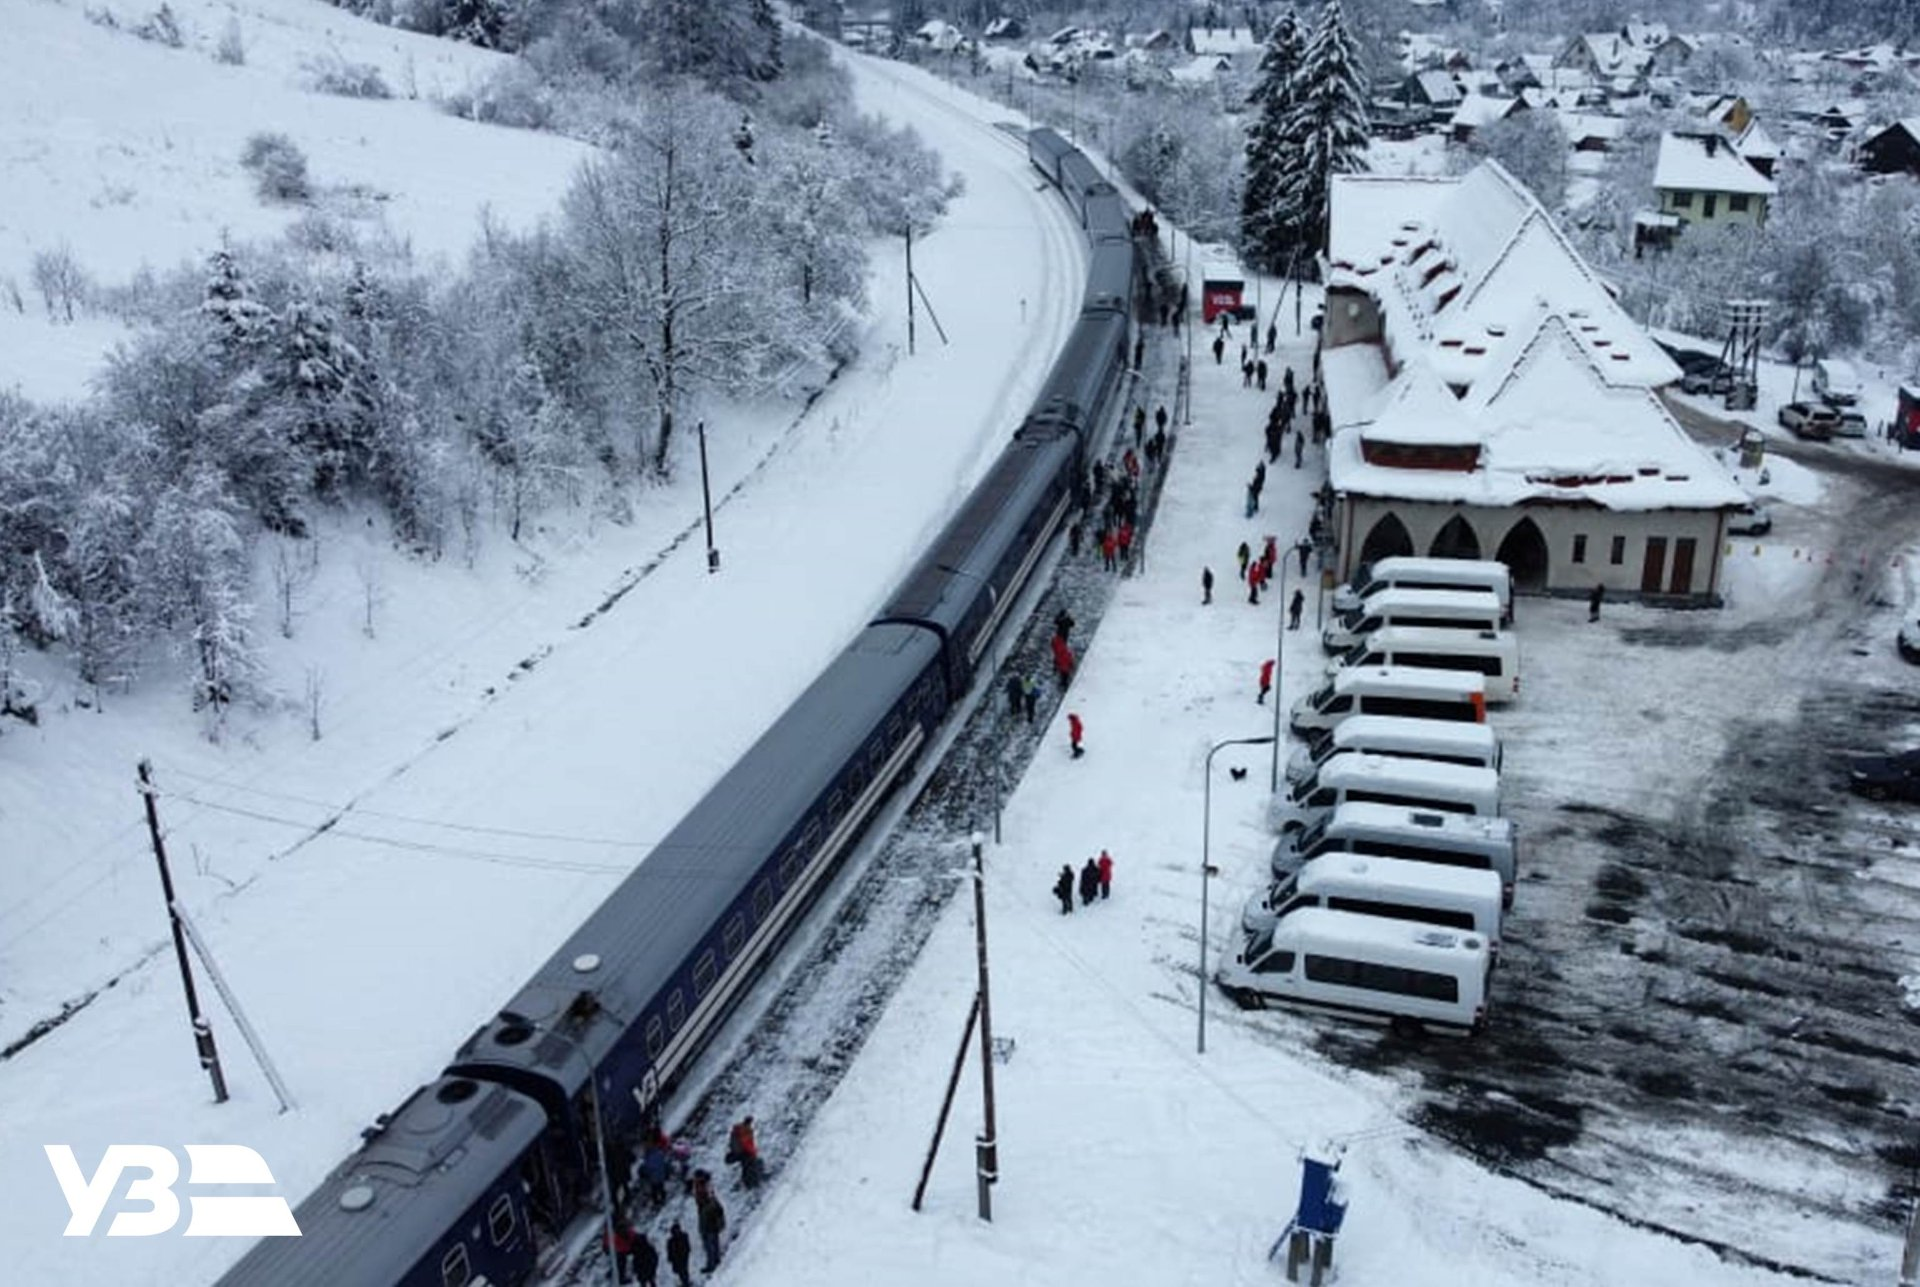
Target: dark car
[{"x": 1886, "y": 777}]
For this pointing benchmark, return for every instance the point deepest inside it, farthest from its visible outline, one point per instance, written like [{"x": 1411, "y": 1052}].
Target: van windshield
[
  {"x": 1311, "y": 838},
  {"x": 1258, "y": 946},
  {"x": 1320, "y": 699},
  {"x": 1356, "y": 654}
]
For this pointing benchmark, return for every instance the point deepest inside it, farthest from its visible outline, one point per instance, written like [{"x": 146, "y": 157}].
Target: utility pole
[
  {"x": 706, "y": 501},
  {"x": 909, "y": 289},
  {"x": 987, "y": 1146},
  {"x": 202, "y": 1031}
]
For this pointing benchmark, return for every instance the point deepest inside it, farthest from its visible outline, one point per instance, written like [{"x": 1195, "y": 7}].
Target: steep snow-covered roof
[
  {"x": 1756, "y": 144},
  {"x": 1549, "y": 429},
  {"x": 1224, "y": 40},
  {"x": 1591, "y": 125},
  {"x": 1439, "y": 86},
  {"x": 1478, "y": 110},
  {"x": 1706, "y": 163}
]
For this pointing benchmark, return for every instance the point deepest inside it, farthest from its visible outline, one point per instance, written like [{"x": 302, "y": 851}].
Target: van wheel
[
  {"x": 1245, "y": 998},
  {"x": 1405, "y": 1029}
]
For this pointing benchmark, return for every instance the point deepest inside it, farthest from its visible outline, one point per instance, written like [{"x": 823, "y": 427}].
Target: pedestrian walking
[
  {"x": 1303, "y": 549},
  {"x": 1139, "y": 351},
  {"x": 653, "y": 1170},
  {"x": 1063, "y": 623},
  {"x": 1062, "y": 661},
  {"x": 1253, "y": 499},
  {"x": 680, "y": 1254},
  {"x": 1206, "y": 585},
  {"x": 1089, "y": 882},
  {"x": 1219, "y": 349},
  {"x": 1063, "y": 888},
  {"x": 1030, "y": 696},
  {"x": 1246, "y": 372},
  {"x": 1273, "y": 439},
  {"x": 1160, "y": 417},
  {"x": 1286, "y": 384},
  {"x": 1126, "y": 542},
  {"x": 1106, "y": 874},
  {"x": 1139, "y": 423},
  {"x": 1253, "y": 582},
  {"x": 620, "y": 1245},
  {"x": 1109, "y": 546},
  {"x": 1260, "y": 374},
  {"x": 744, "y": 1151},
  {"x": 1013, "y": 696},
  {"x": 1226, "y": 323},
  {"x": 1073, "y": 539},
  {"x": 646, "y": 1260},
  {"x": 1593, "y": 602},
  {"x": 1269, "y": 337},
  {"x": 1075, "y": 731},
  {"x": 1266, "y": 679},
  {"x": 713, "y": 1223},
  {"x": 1132, "y": 462},
  {"x": 1244, "y": 553},
  {"x": 1299, "y": 451},
  {"x": 1259, "y": 476},
  {"x": 1295, "y": 607}
]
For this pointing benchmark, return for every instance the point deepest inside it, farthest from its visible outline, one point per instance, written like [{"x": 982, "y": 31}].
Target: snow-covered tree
[
  {"x": 194, "y": 569},
  {"x": 1533, "y": 148},
  {"x": 1269, "y": 244},
  {"x": 1327, "y": 131},
  {"x": 312, "y": 380},
  {"x": 766, "y": 26}
]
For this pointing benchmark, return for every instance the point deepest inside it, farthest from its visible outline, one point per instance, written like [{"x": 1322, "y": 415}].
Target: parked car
[
  {"x": 1852, "y": 424},
  {"x": 1886, "y": 777},
  {"x": 1750, "y": 520},
  {"x": 1836, "y": 381},
  {"x": 1909, "y": 642},
  {"x": 1810, "y": 419},
  {"x": 1707, "y": 379}
]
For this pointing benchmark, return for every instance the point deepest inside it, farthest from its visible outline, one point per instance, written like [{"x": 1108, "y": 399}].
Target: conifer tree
[
  {"x": 1327, "y": 132},
  {"x": 1267, "y": 243}
]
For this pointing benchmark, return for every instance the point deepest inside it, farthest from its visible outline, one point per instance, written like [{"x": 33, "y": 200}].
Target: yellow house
[{"x": 1701, "y": 179}]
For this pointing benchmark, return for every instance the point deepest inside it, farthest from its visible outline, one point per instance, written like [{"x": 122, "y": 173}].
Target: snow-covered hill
[{"x": 126, "y": 151}]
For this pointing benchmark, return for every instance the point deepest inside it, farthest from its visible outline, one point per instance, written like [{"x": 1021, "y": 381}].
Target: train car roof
[
  {"x": 1098, "y": 341},
  {"x": 396, "y": 1198},
  {"x": 652, "y": 922}
]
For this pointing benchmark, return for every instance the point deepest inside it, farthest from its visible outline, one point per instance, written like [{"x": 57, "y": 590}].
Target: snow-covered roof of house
[
  {"x": 1459, "y": 265},
  {"x": 1706, "y": 163},
  {"x": 1201, "y": 69},
  {"x": 1591, "y": 125},
  {"x": 1614, "y": 55},
  {"x": 1552, "y": 427},
  {"x": 1479, "y": 110},
  {"x": 1438, "y": 86},
  {"x": 1755, "y": 144},
  {"x": 1224, "y": 40}
]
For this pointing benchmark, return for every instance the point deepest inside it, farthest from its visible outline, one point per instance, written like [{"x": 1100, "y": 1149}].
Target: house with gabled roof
[
  {"x": 1702, "y": 179},
  {"x": 1490, "y": 399},
  {"x": 1893, "y": 150}
]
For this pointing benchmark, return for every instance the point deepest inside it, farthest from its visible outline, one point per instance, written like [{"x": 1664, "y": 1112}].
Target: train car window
[
  {"x": 791, "y": 866},
  {"x": 736, "y": 935},
  {"x": 837, "y": 805},
  {"x": 454, "y": 1269},
  {"x": 500, "y": 1220},
  {"x": 762, "y": 900},
  {"x": 895, "y": 727},
  {"x": 676, "y": 1011},
  {"x": 703, "y": 974},
  {"x": 656, "y": 1037}
]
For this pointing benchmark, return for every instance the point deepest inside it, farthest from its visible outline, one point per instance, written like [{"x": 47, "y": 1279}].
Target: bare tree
[
  {"x": 366, "y": 569},
  {"x": 295, "y": 563},
  {"x": 61, "y": 281},
  {"x": 316, "y": 693}
]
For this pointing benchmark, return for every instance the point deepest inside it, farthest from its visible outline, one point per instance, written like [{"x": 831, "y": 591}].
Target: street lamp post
[
  {"x": 706, "y": 500},
  {"x": 599, "y": 1127},
  {"x": 1206, "y": 865},
  {"x": 1279, "y": 672}
]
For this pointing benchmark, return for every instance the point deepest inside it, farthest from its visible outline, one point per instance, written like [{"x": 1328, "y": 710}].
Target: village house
[
  {"x": 1893, "y": 150},
  {"x": 1478, "y": 112},
  {"x": 1489, "y": 399},
  {"x": 1702, "y": 179}
]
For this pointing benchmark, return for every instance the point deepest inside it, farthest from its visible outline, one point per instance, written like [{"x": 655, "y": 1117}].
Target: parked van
[
  {"x": 1440, "y": 609},
  {"x": 1390, "y": 779},
  {"x": 1417, "y": 835},
  {"x": 1835, "y": 382},
  {"x": 1365, "y": 967},
  {"x": 1447, "y": 741},
  {"x": 1455, "y": 695},
  {"x": 1493, "y": 654},
  {"x": 1408, "y": 573},
  {"x": 1451, "y": 897}
]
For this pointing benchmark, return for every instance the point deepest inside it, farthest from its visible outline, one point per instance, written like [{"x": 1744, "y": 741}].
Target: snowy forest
[{"x": 716, "y": 247}]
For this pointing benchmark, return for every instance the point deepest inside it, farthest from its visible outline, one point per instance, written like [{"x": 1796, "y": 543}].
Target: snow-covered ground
[
  {"x": 482, "y": 815},
  {"x": 127, "y": 151}
]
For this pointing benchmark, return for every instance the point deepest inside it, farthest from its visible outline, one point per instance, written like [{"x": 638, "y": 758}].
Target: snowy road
[{"x": 368, "y": 951}]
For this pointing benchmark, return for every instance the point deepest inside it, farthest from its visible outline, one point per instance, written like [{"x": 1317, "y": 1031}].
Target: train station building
[{"x": 1489, "y": 399}]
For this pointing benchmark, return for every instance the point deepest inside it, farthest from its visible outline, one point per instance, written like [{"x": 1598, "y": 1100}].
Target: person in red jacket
[
  {"x": 1106, "y": 874},
  {"x": 1075, "y": 730},
  {"x": 744, "y": 1149},
  {"x": 1266, "y": 679},
  {"x": 1062, "y": 660}
]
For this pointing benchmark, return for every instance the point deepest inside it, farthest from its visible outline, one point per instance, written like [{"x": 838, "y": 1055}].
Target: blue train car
[
  {"x": 1110, "y": 279},
  {"x": 1108, "y": 218},
  {"x": 1046, "y": 150},
  {"x": 1082, "y": 384},
  {"x": 966, "y": 584},
  {"x": 450, "y": 1187},
  {"x": 637, "y": 990}
]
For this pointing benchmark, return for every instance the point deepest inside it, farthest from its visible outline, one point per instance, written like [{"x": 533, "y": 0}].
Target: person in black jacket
[
  {"x": 680, "y": 1254},
  {"x": 1063, "y": 889},
  {"x": 713, "y": 1222},
  {"x": 1089, "y": 882},
  {"x": 646, "y": 1260}
]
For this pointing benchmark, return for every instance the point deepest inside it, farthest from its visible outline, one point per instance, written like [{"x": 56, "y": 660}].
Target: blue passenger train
[{"x": 476, "y": 1174}]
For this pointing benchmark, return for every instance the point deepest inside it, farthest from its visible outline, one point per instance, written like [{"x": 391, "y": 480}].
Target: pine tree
[
  {"x": 1327, "y": 132},
  {"x": 1269, "y": 244},
  {"x": 766, "y": 26}
]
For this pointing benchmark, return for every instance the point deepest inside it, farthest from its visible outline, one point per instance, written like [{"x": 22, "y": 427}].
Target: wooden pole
[
  {"x": 987, "y": 1147},
  {"x": 202, "y": 1031},
  {"x": 946, "y": 1103}
]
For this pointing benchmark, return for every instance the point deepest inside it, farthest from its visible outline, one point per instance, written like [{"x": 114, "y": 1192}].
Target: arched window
[{"x": 1456, "y": 540}]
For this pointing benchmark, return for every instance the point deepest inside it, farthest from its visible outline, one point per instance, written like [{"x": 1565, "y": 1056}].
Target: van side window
[
  {"x": 1275, "y": 963},
  {"x": 1400, "y": 912},
  {"x": 1341, "y": 972}
]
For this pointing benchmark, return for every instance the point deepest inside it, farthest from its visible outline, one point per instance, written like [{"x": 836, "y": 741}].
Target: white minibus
[
  {"x": 1442, "y": 609},
  {"x": 1351, "y": 777},
  {"x": 1493, "y": 654},
  {"x": 1371, "y": 968},
  {"x": 1407, "y": 572},
  {"x": 1452, "y": 897},
  {"x": 1417, "y": 835},
  {"x": 1454, "y": 695},
  {"x": 1446, "y": 741}
]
